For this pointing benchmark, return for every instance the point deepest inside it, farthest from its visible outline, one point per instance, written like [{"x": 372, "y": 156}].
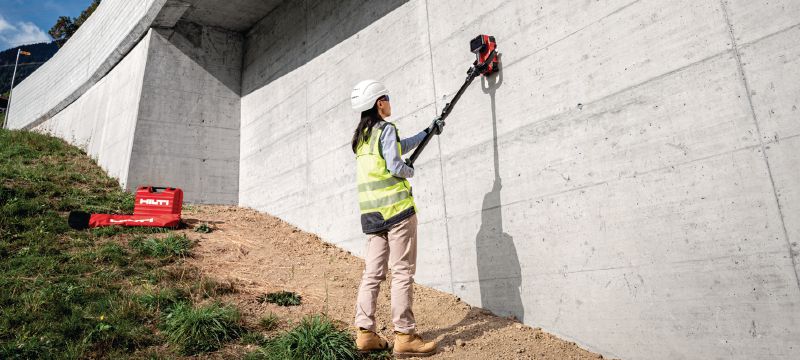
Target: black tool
[{"x": 486, "y": 63}]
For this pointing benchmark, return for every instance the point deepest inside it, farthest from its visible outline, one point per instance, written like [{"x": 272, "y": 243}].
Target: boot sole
[
  {"x": 409, "y": 355},
  {"x": 367, "y": 352}
]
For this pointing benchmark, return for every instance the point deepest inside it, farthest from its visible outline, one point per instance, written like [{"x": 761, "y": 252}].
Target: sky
[{"x": 27, "y": 21}]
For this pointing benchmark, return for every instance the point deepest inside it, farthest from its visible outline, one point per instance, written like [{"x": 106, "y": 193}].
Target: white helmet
[{"x": 366, "y": 93}]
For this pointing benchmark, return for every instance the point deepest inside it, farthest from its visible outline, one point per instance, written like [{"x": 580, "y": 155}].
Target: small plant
[
  {"x": 172, "y": 245},
  {"x": 203, "y": 228},
  {"x": 281, "y": 298},
  {"x": 270, "y": 322},
  {"x": 202, "y": 329},
  {"x": 315, "y": 337}
]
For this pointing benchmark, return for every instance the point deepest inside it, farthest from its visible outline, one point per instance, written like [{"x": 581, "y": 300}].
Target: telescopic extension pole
[{"x": 472, "y": 73}]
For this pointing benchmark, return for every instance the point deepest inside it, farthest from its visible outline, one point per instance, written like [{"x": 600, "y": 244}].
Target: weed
[
  {"x": 270, "y": 322},
  {"x": 203, "y": 228},
  {"x": 281, "y": 298},
  {"x": 202, "y": 329},
  {"x": 315, "y": 337}
]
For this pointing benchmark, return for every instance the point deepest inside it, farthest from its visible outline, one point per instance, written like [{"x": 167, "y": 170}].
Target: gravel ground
[{"x": 258, "y": 253}]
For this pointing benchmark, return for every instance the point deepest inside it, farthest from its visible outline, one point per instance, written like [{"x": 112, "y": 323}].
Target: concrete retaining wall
[
  {"x": 102, "y": 121},
  {"x": 106, "y": 37},
  {"x": 628, "y": 182},
  {"x": 188, "y": 129}
]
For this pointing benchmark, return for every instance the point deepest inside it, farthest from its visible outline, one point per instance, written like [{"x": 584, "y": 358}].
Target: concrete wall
[
  {"x": 188, "y": 129},
  {"x": 102, "y": 121},
  {"x": 628, "y": 181},
  {"x": 106, "y": 37}
]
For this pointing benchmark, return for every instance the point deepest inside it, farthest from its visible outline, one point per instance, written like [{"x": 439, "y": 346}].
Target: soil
[{"x": 258, "y": 253}]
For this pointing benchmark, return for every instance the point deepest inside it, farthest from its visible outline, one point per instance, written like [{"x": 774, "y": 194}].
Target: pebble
[
  {"x": 460, "y": 342},
  {"x": 518, "y": 326}
]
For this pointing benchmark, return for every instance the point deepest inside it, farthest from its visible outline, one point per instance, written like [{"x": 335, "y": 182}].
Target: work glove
[{"x": 437, "y": 126}]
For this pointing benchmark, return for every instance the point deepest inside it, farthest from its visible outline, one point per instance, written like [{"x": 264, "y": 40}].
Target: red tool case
[{"x": 151, "y": 200}]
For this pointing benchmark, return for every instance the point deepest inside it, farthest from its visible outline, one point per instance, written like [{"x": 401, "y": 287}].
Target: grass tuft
[
  {"x": 174, "y": 245},
  {"x": 203, "y": 228},
  {"x": 163, "y": 300},
  {"x": 316, "y": 337},
  {"x": 281, "y": 298},
  {"x": 270, "y": 322},
  {"x": 202, "y": 329}
]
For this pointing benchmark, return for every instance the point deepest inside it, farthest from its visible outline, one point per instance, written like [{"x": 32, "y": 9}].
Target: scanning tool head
[{"x": 485, "y": 49}]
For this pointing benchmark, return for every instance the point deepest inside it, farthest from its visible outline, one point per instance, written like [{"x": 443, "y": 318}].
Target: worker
[{"x": 388, "y": 217}]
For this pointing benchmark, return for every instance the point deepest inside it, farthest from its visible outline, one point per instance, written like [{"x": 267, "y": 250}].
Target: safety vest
[{"x": 384, "y": 199}]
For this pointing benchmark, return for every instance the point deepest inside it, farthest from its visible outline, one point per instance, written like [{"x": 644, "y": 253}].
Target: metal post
[{"x": 11, "y": 91}]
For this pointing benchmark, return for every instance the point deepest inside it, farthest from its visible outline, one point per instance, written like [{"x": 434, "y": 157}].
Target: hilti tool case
[
  {"x": 152, "y": 200},
  {"x": 153, "y": 206}
]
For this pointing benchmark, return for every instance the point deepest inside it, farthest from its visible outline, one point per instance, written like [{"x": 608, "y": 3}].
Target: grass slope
[
  {"x": 104, "y": 293},
  {"x": 116, "y": 292}
]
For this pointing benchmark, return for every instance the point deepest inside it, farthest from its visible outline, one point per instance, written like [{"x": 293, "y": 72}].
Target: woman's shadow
[{"x": 499, "y": 271}]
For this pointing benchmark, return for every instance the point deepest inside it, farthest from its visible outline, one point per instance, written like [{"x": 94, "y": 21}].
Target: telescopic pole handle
[{"x": 473, "y": 72}]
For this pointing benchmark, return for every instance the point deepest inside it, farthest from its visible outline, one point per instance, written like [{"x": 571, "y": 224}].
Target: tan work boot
[
  {"x": 409, "y": 345},
  {"x": 367, "y": 341}
]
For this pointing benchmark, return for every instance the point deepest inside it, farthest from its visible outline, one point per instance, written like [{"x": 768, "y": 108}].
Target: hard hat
[{"x": 366, "y": 93}]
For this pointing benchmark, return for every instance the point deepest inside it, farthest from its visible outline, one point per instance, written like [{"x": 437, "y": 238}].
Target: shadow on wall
[
  {"x": 499, "y": 272},
  {"x": 217, "y": 51},
  {"x": 293, "y": 34}
]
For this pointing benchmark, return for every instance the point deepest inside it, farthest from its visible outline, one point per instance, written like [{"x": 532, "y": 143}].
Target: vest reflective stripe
[
  {"x": 380, "y": 184},
  {"x": 384, "y": 199}
]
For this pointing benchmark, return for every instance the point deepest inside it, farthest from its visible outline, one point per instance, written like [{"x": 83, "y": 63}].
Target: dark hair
[{"x": 364, "y": 129}]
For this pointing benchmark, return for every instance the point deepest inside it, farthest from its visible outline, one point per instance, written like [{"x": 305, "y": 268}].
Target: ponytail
[{"x": 364, "y": 129}]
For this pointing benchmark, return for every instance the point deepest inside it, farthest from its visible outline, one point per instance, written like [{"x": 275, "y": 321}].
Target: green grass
[
  {"x": 315, "y": 338},
  {"x": 281, "y": 298},
  {"x": 202, "y": 329},
  {"x": 164, "y": 299},
  {"x": 174, "y": 245},
  {"x": 80, "y": 294}
]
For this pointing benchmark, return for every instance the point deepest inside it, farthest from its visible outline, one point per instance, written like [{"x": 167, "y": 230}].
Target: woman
[{"x": 388, "y": 216}]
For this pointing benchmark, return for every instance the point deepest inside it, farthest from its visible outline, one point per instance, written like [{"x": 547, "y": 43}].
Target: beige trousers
[{"x": 395, "y": 249}]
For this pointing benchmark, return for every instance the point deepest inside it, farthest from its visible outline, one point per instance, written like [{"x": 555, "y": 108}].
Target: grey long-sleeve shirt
[{"x": 394, "y": 163}]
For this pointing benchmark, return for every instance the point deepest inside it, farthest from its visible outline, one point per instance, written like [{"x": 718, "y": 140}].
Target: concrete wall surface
[
  {"x": 187, "y": 134},
  {"x": 629, "y": 181},
  {"x": 102, "y": 121},
  {"x": 102, "y": 41}
]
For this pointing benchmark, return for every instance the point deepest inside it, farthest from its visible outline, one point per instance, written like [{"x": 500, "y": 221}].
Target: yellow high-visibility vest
[{"x": 384, "y": 199}]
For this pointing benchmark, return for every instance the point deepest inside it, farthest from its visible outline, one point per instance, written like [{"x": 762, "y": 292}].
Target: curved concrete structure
[
  {"x": 628, "y": 181},
  {"x": 106, "y": 37}
]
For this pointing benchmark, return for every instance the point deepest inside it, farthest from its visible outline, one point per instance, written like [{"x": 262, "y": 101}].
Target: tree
[{"x": 65, "y": 26}]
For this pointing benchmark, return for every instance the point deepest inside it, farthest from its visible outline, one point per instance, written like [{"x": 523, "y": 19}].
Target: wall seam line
[
  {"x": 439, "y": 150},
  {"x": 746, "y": 84}
]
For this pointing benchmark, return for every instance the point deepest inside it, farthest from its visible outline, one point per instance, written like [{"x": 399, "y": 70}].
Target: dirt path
[{"x": 259, "y": 254}]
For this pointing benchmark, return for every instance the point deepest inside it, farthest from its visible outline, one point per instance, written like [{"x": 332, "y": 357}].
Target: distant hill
[{"x": 40, "y": 53}]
